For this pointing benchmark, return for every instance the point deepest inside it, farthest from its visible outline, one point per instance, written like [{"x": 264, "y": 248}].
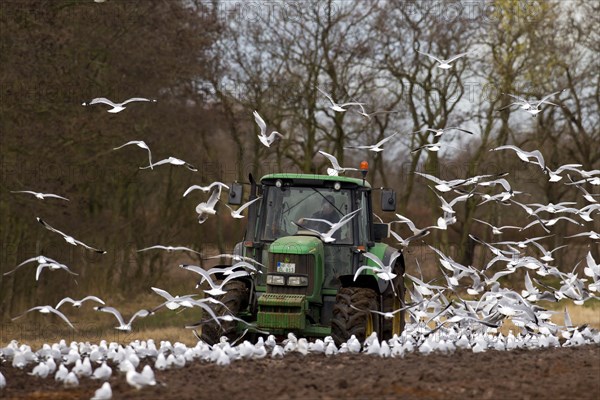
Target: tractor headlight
[
  {"x": 275, "y": 280},
  {"x": 298, "y": 281},
  {"x": 337, "y": 186}
]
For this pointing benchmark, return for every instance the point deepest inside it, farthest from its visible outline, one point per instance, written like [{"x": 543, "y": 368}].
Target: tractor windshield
[{"x": 292, "y": 208}]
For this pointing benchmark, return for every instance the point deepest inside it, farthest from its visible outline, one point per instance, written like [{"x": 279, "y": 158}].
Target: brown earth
[{"x": 561, "y": 373}]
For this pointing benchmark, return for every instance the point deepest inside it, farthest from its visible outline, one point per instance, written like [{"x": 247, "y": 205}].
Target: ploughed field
[{"x": 557, "y": 373}]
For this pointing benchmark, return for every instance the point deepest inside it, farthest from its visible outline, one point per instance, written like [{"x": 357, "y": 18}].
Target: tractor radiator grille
[{"x": 304, "y": 265}]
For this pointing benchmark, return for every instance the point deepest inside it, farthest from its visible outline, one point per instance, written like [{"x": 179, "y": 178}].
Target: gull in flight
[
  {"x": 590, "y": 234},
  {"x": 172, "y": 161},
  {"x": 520, "y": 101},
  {"x": 440, "y": 132},
  {"x": 382, "y": 271},
  {"x": 40, "y": 196},
  {"x": 38, "y": 259},
  {"x": 525, "y": 155},
  {"x": 389, "y": 314},
  {"x": 337, "y": 169},
  {"x": 69, "y": 239},
  {"x": 78, "y": 303},
  {"x": 534, "y": 109},
  {"x": 339, "y": 107},
  {"x": 215, "y": 290},
  {"x": 327, "y": 237},
  {"x": 429, "y": 147},
  {"x": 264, "y": 139},
  {"x": 173, "y": 302},
  {"x": 141, "y": 144},
  {"x": 52, "y": 267},
  {"x": 373, "y": 147},
  {"x": 116, "y": 107},
  {"x": 444, "y": 64},
  {"x": 205, "y": 189},
  {"x": 237, "y": 258},
  {"x": 369, "y": 115},
  {"x": 122, "y": 325},
  {"x": 497, "y": 230},
  {"x": 169, "y": 248},
  {"x": 47, "y": 310},
  {"x": 554, "y": 175},
  {"x": 238, "y": 213},
  {"x": 207, "y": 208},
  {"x": 405, "y": 242},
  {"x": 586, "y": 195}
]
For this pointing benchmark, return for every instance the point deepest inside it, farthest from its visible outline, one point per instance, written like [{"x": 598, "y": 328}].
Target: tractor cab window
[{"x": 289, "y": 209}]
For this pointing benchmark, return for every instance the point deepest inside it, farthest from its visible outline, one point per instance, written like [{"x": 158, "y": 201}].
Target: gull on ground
[
  {"x": 373, "y": 147},
  {"x": 122, "y": 325},
  {"x": 337, "y": 106},
  {"x": 47, "y": 310},
  {"x": 69, "y": 239},
  {"x": 105, "y": 391},
  {"x": 337, "y": 169},
  {"x": 264, "y": 139},
  {"x": 205, "y": 189},
  {"x": 39, "y": 195},
  {"x": 444, "y": 64},
  {"x": 172, "y": 161},
  {"x": 327, "y": 237},
  {"x": 140, "y": 144},
  {"x": 238, "y": 213},
  {"x": 116, "y": 107}
]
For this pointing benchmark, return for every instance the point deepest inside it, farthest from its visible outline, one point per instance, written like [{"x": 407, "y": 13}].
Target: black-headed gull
[
  {"x": 105, "y": 391},
  {"x": 172, "y": 161},
  {"x": 440, "y": 132},
  {"x": 444, "y": 64},
  {"x": 327, "y": 237},
  {"x": 116, "y": 107},
  {"x": 534, "y": 109},
  {"x": 78, "y": 303},
  {"x": 337, "y": 106},
  {"x": 220, "y": 185},
  {"x": 47, "y": 310},
  {"x": 169, "y": 248},
  {"x": 207, "y": 207},
  {"x": 140, "y": 144},
  {"x": 52, "y": 267},
  {"x": 39, "y": 259},
  {"x": 373, "y": 147},
  {"x": 215, "y": 290},
  {"x": 39, "y": 195},
  {"x": 337, "y": 169},
  {"x": 405, "y": 242},
  {"x": 69, "y": 239},
  {"x": 525, "y": 155},
  {"x": 497, "y": 230},
  {"x": 238, "y": 213},
  {"x": 122, "y": 325},
  {"x": 264, "y": 139}
]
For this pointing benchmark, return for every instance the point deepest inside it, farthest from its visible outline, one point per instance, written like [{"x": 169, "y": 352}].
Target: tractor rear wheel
[
  {"x": 351, "y": 315},
  {"x": 235, "y": 300}
]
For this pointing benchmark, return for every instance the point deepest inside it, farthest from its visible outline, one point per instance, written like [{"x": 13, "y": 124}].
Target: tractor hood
[{"x": 297, "y": 245}]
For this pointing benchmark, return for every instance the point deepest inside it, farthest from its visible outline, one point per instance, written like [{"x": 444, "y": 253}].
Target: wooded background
[{"x": 210, "y": 64}]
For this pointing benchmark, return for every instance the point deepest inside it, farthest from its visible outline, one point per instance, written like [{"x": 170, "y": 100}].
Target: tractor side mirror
[
  {"x": 380, "y": 232},
  {"x": 388, "y": 200},
  {"x": 235, "y": 193}
]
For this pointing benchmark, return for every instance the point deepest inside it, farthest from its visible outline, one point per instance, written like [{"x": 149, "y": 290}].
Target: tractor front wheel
[
  {"x": 352, "y": 316},
  {"x": 235, "y": 300}
]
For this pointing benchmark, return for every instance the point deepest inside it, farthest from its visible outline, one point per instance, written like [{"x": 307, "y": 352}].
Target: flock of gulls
[{"x": 462, "y": 309}]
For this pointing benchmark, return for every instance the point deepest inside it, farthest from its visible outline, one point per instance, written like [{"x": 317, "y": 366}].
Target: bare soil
[{"x": 560, "y": 373}]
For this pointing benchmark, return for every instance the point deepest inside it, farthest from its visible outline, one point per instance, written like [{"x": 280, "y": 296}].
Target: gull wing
[
  {"x": 332, "y": 159},
  {"x": 135, "y": 99},
  {"x": 431, "y": 56},
  {"x": 261, "y": 123}
]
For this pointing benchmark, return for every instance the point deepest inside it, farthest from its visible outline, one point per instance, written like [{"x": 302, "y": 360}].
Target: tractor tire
[
  {"x": 355, "y": 320},
  {"x": 236, "y": 299},
  {"x": 393, "y": 301}
]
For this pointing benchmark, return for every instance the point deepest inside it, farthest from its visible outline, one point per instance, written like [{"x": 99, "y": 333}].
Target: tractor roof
[{"x": 313, "y": 180}]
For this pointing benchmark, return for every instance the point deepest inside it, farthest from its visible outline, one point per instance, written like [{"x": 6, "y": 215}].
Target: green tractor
[{"x": 307, "y": 285}]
